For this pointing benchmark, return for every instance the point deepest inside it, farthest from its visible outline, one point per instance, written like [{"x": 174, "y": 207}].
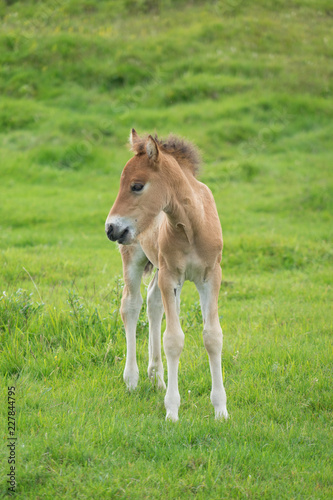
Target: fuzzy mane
[{"x": 186, "y": 154}]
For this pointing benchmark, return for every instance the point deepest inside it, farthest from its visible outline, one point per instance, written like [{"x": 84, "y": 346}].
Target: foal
[{"x": 164, "y": 217}]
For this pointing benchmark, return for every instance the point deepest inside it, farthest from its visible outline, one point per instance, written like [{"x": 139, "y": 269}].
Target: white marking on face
[{"x": 120, "y": 224}]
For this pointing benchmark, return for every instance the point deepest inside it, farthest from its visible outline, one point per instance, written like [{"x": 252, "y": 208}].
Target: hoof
[
  {"x": 172, "y": 407},
  {"x": 131, "y": 379},
  {"x": 172, "y": 416},
  {"x": 221, "y": 414},
  {"x": 156, "y": 378}
]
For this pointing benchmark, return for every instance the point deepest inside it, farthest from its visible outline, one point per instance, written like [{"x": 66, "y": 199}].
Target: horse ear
[
  {"x": 133, "y": 137},
  {"x": 152, "y": 148}
]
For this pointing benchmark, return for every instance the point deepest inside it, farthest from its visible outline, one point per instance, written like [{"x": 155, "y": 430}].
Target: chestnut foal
[{"x": 163, "y": 216}]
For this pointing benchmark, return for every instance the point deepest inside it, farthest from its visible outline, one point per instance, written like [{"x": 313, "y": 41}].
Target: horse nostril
[
  {"x": 109, "y": 231},
  {"x": 116, "y": 233},
  {"x": 123, "y": 235}
]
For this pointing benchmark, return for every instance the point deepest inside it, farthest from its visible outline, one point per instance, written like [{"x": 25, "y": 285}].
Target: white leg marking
[
  {"x": 213, "y": 340},
  {"x": 130, "y": 309},
  {"x": 173, "y": 341},
  {"x": 155, "y": 313}
]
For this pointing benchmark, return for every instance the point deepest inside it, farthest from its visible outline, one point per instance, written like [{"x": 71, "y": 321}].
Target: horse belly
[{"x": 195, "y": 268}]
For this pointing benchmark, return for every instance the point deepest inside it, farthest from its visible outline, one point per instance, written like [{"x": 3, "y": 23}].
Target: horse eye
[{"x": 137, "y": 187}]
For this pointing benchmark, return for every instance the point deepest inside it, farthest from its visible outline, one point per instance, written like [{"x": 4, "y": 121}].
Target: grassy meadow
[{"x": 251, "y": 84}]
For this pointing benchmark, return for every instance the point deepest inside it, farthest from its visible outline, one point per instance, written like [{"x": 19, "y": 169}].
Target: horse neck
[{"x": 184, "y": 205}]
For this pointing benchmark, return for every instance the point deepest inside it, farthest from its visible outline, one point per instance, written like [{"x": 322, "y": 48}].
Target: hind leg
[
  {"x": 155, "y": 313},
  {"x": 213, "y": 339}
]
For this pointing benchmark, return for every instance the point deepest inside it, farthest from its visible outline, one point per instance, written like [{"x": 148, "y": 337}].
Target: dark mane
[{"x": 186, "y": 154}]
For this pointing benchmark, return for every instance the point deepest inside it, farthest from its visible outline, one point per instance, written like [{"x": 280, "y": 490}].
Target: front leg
[
  {"x": 213, "y": 338},
  {"x": 173, "y": 340},
  {"x": 134, "y": 261},
  {"x": 155, "y": 313}
]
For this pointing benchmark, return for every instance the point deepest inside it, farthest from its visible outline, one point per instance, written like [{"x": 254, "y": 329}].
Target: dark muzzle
[{"x": 115, "y": 233}]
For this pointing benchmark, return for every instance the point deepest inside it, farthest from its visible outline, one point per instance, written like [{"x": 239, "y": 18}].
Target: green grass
[{"x": 251, "y": 84}]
